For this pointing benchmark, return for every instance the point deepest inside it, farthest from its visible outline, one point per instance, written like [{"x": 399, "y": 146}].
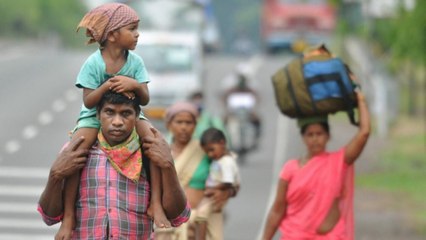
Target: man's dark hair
[
  {"x": 212, "y": 135},
  {"x": 118, "y": 98}
]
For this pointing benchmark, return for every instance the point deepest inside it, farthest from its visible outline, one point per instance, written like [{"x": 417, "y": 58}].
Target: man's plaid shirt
[{"x": 110, "y": 206}]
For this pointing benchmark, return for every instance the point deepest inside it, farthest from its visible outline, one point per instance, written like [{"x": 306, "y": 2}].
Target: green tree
[
  {"x": 410, "y": 34},
  {"x": 404, "y": 38},
  {"x": 38, "y": 18}
]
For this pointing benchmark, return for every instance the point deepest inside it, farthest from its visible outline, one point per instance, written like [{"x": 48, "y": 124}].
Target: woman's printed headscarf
[
  {"x": 106, "y": 18},
  {"x": 178, "y": 108}
]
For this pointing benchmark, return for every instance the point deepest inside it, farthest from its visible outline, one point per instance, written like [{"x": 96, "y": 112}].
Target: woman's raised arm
[{"x": 357, "y": 143}]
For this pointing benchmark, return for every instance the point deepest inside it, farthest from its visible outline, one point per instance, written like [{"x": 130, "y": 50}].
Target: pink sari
[{"x": 311, "y": 192}]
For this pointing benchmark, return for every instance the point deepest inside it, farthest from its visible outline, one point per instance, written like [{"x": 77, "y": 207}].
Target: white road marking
[
  {"x": 31, "y": 226},
  {"x": 12, "y": 146},
  {"x": 10, "y": 207},
  {"x": 20, "y": 172},
  {"x": 29, "y": 132},
  {"x": 280, "y": 150},
  {"x": 45, "y": 118},
  {"x": 10, "y": 57},
  {"x": 59, "y": 105},
  {"x": 36, "y": 224},
  {"x": 23, "y": 236},
  {"x": 72, "y": 95},
  {"x": 19, "y": 190}
]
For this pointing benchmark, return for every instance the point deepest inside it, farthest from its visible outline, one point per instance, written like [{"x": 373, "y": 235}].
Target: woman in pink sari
[{"x": 314, "y": 199}]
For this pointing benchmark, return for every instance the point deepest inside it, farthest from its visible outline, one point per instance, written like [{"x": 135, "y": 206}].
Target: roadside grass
[{"x": 402, "y": 168}]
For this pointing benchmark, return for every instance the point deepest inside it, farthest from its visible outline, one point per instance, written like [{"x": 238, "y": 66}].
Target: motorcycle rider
[{"x": 242, "y": 95}]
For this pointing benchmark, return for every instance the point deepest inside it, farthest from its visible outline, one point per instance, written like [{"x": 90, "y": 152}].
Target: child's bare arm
[
  {"x": 91, "y": 97},
  {"x": 143, "y": 93},
  {"x": 223, "y": 186},
  {"x": 122, "y": 84}
]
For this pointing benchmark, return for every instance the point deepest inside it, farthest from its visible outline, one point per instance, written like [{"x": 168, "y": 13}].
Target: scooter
[{"x": 242, "y": 132}]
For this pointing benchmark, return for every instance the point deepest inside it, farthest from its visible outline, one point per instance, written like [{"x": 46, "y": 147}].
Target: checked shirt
[{"x": 110, "y": 206}]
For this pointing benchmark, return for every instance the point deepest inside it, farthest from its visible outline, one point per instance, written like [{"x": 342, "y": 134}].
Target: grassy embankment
[{"x": 402, "y": 169}]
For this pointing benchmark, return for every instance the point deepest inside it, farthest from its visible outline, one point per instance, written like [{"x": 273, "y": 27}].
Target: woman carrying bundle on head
[{"x": 315, "y": 192}]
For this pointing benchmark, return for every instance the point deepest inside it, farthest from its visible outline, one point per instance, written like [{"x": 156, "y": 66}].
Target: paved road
[{"x": 39, "y": 105}]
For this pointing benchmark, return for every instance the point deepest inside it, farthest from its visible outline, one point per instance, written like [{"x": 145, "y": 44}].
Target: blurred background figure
[
  {"x": 243, "y": 45},
  {"x": 241, "y": 117},
  {"x": 192, "y": 167},
  {"x": 205, "y": 118}
]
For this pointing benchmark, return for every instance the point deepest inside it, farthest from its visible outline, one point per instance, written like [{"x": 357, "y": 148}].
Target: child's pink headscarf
[{"x": 106, "y": 18}]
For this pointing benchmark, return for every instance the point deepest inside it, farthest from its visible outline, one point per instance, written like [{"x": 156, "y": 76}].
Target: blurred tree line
[
  {"x": 403, "y": 39},
  {"x": 400, "y": 40},
  {"x": 41, "y": 19}
]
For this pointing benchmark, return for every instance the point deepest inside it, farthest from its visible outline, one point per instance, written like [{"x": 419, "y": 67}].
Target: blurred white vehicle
[
  {"x": 182, "y": 15},
  {"x": 174, "y": 61}
]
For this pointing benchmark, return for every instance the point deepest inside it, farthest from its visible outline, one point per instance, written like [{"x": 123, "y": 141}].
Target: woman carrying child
[{"x": 192, "y": 167}]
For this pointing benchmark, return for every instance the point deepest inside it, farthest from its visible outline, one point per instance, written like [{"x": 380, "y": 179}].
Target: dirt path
[
  {"x": 382, "y": 216},
  {"x": 378, "y": 215}
]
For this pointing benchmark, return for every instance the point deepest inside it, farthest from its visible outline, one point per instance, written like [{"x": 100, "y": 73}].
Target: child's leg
[
  {"x": 215, "y": 225},
  {"x": 201, "y": 230},
  {"x": 202, "y": 214},
  {"x": 204, "y": 209},
  {"x": 155, "y": 209},
  {"x": 72, "y": 183}
]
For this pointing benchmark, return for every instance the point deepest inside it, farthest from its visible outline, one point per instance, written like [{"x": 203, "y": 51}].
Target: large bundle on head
[{"x": 315, "y": 84}]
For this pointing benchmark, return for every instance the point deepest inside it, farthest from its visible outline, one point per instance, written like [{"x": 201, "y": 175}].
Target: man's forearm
[
  {"x": 51, "y": 198},
  {"x": 174, "y": 199}
]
